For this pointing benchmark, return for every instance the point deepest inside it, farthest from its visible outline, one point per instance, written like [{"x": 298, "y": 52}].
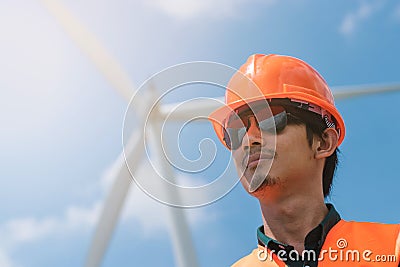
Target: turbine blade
[
  {"x": 203, "y": 107},
  {"x": 200, "y": 107},
  {"x": 93, "y": 48},
  {"x": 110, "y": 68},
  {"x": 115, "y": 200},
  {"x": 356, "y": 91}
]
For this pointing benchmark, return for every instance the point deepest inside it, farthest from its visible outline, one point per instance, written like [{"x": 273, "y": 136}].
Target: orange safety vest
[{"x": 348, "y": 243}]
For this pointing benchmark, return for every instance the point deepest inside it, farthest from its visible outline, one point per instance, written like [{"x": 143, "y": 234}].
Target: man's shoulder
[
  {"x": 360, "y": 231},
  {"x": 368, "y": 234},
  {"x": 370, "y": 227}
]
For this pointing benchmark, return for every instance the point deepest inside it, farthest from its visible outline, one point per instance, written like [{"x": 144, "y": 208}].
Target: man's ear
[{"x": 326, "y": 145}]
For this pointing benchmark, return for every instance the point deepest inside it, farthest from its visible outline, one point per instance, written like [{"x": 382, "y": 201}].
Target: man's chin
[
  {"x": 267, "y": 182},
  {"x": 259, "y": 189}
]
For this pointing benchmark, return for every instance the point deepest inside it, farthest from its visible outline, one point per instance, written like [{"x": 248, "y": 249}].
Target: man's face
[{"x": 268, "y": 161}]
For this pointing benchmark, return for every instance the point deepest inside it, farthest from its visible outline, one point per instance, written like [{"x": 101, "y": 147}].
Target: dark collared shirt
[{"x": 312, "y": 243}]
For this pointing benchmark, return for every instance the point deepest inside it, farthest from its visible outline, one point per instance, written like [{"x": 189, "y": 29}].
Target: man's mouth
[{"x": 254, "y": 159}]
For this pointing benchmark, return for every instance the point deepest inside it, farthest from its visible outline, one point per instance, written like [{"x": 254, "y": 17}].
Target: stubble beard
[
  {"x": 260, "y": 181},
  {"x": 257, "y": 177}
]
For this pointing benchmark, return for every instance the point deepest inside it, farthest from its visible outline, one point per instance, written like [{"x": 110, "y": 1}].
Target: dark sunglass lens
[
  {"x": 274, "y": 124},
  {"x": 271, "y": 120},
  {"x": 233, "y": 137},
  {"x": 280, "y": 121},
  {"x": 235, "y": 121},
  {"x": 227, "y": 139}
]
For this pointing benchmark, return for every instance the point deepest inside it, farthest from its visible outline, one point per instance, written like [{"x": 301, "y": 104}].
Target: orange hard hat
[{"x": 276, "y": 77}]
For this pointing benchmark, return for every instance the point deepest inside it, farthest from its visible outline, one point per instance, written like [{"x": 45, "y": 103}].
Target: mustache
[{"x": 259, "y": 154}]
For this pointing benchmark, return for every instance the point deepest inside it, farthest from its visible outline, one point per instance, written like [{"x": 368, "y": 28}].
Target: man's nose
[{"x": 253, "y": 135}]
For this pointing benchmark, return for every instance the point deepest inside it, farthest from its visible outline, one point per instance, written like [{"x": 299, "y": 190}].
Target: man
[{"x": 284, "y": 130}]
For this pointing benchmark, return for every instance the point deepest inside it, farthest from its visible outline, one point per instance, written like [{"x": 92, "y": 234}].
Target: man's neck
[{"x": 290, "y": 220}]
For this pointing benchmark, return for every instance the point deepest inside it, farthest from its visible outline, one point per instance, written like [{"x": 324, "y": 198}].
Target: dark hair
[{"x": 315, "y": 125}]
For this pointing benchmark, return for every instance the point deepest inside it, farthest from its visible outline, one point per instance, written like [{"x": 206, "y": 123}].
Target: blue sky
[{"x": 62, "y": 121}]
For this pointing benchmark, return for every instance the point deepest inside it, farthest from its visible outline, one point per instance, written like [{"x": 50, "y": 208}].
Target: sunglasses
[{"x": 270, "y": 119}]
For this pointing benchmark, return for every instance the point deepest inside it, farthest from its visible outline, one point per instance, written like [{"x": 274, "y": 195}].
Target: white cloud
[
  {"x": 353, "y": 19},
  {"x": 22, "y": 231},
  {"x": 139, "y": 208},
  {"x": 25, "y": 230},
  {"x": 5, "y": 260},
  {"x": 187, "y": 9}
]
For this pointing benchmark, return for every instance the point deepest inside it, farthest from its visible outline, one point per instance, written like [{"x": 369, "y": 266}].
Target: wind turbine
[
  {"x": 180, "y": 234},
  {"x": 121, "y": 82}
]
